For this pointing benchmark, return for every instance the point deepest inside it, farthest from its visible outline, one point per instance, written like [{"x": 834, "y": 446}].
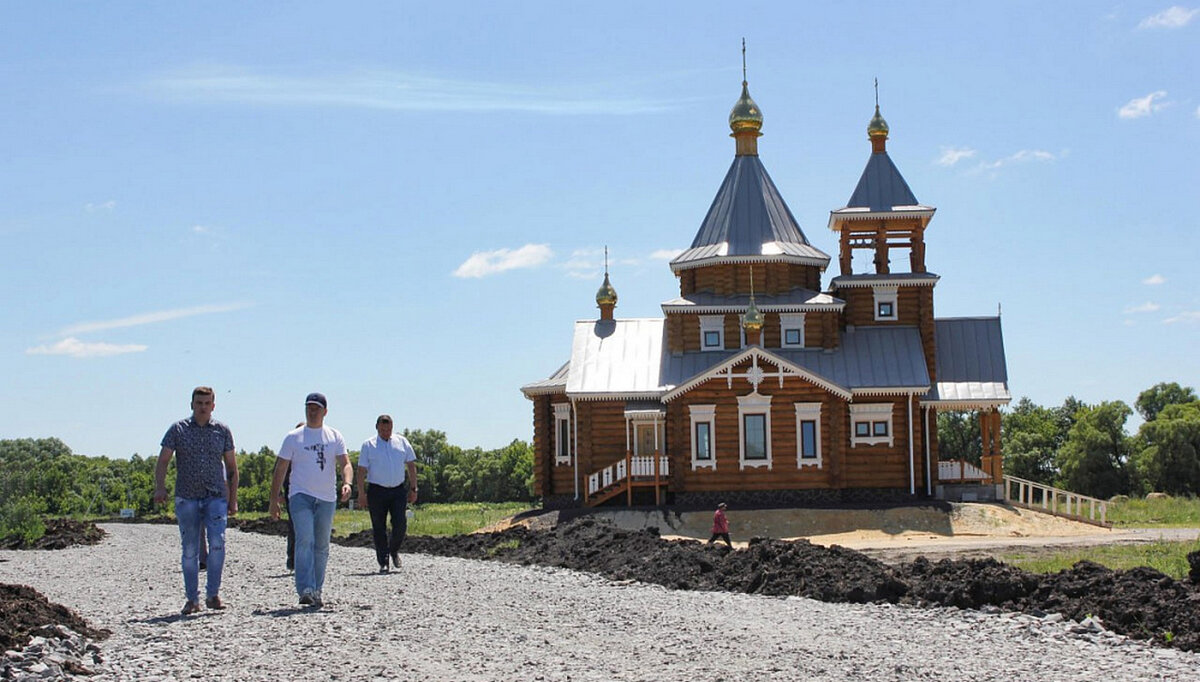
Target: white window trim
[
  {"x": 871, "y": 413},
  {"x": 704, "y": 414},
  {"x": 562, "y": 413},
  {"x": 887, "y": 295},
  {"x": 789, "y": 321},
  {"x": 712, "y": 323},
  {"x": 807, "y": 412},
  {"x": 754, "y": 403}
]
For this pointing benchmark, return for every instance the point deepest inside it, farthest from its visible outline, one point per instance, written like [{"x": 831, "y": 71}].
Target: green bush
[{"x": 21, "y": 520}]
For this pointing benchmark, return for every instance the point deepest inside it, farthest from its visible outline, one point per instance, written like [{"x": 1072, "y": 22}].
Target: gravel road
[{"x": 454, "y": 619}]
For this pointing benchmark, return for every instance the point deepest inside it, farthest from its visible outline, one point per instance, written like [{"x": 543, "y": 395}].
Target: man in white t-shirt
[
  {"x": 311, "y": 451},
  {"x": 387, "y": 482}
]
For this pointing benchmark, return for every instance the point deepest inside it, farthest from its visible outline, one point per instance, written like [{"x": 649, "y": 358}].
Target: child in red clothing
[{"x": 720, "y": 527}]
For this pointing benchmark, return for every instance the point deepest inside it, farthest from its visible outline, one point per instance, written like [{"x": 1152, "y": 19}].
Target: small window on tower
[
  {"x": 886, "y": 298},
  {"x": 712, "y": 332},
  {"x": 792, "y": 325}
]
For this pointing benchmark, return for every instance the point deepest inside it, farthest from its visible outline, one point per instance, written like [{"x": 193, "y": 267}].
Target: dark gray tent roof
[
  {"x": 749, "y": 218},
  {"x": 881, "y": 186}
]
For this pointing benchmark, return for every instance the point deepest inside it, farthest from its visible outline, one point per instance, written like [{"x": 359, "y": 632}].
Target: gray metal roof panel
[
  {"x": 881, "y": 187},
  {"x": 748, "y": 217},
  {"x": 616, "y": 356},
  {"x": 970, "y": 359},
  {"x": 795, "y": 297}
]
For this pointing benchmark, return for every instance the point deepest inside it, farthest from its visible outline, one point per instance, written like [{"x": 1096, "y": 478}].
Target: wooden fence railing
[
  {"x": 960, "y": 470},
  {"x": 1041, "y": 497},
  {"x": 641, "y": 467}
]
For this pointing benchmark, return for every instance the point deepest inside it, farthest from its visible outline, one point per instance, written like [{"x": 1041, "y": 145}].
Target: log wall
[
  {"x": 769, "y": 278},
  {"x": 821, "y": 330}
]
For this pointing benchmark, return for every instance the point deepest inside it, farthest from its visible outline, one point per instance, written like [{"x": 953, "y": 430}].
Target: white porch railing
[
  {"x": 951, "y": 470},
  {"x": 1041, "y": 497},
  {"x": 644, "y": 466},
  {"x": 616, "y": 472}
]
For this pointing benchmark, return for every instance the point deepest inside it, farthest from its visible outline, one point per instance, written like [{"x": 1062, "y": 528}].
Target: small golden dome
[
  {"x": 877, "y": 126},
  {"x": 753, "y": 319},
  {"x": 607, "y": 295},
  {"x": 745, "y": 114}
]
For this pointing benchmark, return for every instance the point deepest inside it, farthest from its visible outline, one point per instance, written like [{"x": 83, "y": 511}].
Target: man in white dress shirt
[{"x": 387, "y": 483}]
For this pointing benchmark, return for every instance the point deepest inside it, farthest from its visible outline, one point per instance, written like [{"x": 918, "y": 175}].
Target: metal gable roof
[
  {"x": 629, "y": 358},
  {"x": 881, "y": 186},
  {"x": 616, "y": 356},
  {"x": 749, "y": 217},
  {"x": 970, "y": 360}
]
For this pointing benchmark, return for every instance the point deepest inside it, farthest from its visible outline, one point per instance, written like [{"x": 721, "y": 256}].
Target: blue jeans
[
  {"x": 313, "y": 521},
  {"x": 211, "y": 513}
]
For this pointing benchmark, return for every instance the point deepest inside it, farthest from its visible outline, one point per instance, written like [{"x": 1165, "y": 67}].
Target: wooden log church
[{"x": 760, "y": 387}]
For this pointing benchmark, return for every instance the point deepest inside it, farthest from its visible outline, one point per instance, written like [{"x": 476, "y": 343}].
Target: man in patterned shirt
[{"x": 206, "y": 481}]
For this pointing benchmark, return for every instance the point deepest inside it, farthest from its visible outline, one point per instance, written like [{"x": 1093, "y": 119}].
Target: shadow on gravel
[
  {"x": 173, "y": 618},
  {"x": 286, "y": 611},
  {"x": 1141, "y": 603}
]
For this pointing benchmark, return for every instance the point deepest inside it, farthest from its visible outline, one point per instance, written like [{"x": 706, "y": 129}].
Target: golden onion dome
[
  {"x": 606, "y": 295},
  {"x": 745, "y": 114},
  {"x": 753, "y": 319},
  {"x": 877, "y": 126}
]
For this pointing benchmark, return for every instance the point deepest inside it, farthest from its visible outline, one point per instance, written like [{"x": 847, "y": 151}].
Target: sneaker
[
  {"x": 306, "y": 599},
  {"x": 203, "y": 565},
  {"x": 316, "y": 600},
  {"x": 190, "y": 608},
  {"x": 396, "y": 559},
  {"x": 383, "y": 568},
  {"x": 291, "y": 564},
  {"x": 214, "y": 602}
]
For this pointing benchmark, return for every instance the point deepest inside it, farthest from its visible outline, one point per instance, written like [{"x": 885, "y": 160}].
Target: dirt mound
[
  {"x": 60, "y": 534},
  {"x": 263, "y": 526},
  {"x": 23, "y": 612},
  {"x": 1140, "y": 603}
]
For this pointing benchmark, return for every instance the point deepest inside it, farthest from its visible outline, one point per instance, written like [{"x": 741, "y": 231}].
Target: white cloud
[
  {"x": 484, "y": 263},
  {"x": 102, "y": 206},
  {"x": 952, "y": 155},
  {"x": 81, "y": 349},
  {"x": 585, "y": 264},
  {"x": 1143, "y": 106},
  {"x": 1023, "y": 156},
  {"x": 1172, "y": 17},
  {"x": 201, "y": 229},
  {"x": 1146, "y": 307},
  {"x": 666, "y": 254},
  {"x": 151, "y": 318},
  {"x": 396, "y": 91},
  {"x": 1197, "y": 112},
  {"x": 1155, "y": 279},
  {"x": 1186, "y": 316}
]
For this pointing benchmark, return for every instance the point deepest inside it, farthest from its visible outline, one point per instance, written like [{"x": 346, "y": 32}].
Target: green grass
[
  {"x": 428, "y": 519},
  {"x": 1173, "y": 512},
  {"x": 435, "y": 519},
  {"x": 1167, "y": 557}
]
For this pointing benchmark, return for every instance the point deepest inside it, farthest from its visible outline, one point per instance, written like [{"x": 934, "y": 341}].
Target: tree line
[
  {"x": 1085, "y": 448},
  {"x": 44, "y": 477}
]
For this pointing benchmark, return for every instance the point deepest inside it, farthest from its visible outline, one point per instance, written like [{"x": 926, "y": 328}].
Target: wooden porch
[{"x": 641, "y": 471}]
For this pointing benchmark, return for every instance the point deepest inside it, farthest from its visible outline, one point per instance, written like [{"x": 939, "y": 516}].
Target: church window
[
  {"x": 712, "y": 332},
  {"x": 792, "y": 327}
]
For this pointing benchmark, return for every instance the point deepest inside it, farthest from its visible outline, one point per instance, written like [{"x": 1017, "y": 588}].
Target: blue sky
[{"x": 405, "y": 205}]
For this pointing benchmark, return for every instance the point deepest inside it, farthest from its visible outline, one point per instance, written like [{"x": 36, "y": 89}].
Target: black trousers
[
  {"x": 382, "y": 501},
  {"x": 723, "y": 536}
]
